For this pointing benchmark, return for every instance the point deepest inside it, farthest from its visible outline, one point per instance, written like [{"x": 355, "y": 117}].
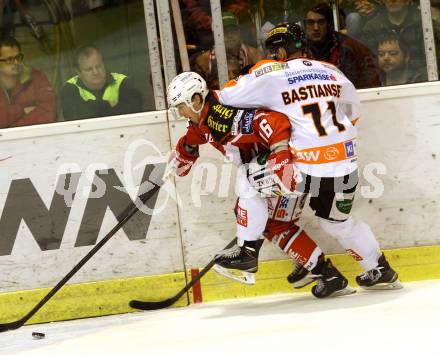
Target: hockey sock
[{"x": 296, "y": 243}]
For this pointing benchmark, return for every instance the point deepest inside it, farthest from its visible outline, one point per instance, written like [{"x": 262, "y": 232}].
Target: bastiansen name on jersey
[{"x": 321, "y": 103}]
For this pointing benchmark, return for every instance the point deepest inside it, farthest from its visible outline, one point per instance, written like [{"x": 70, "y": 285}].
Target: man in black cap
[{"x": 354, "y": 59}]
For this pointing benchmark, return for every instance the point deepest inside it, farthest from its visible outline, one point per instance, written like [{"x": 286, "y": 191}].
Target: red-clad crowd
[{"x": 26, "y": 96}]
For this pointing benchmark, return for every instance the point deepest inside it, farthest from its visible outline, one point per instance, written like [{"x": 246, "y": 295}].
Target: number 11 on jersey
[{"x": 315, "y": 111}]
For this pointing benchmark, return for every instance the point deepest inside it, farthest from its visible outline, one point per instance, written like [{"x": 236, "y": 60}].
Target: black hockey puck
[{"x": 38, "y": 335}]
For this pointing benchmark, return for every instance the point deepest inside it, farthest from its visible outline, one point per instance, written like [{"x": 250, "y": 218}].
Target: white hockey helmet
[{"x": 183, "y": 88}]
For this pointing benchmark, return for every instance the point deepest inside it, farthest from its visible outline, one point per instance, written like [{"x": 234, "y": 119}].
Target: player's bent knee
[{"x": 340, "y": 230}]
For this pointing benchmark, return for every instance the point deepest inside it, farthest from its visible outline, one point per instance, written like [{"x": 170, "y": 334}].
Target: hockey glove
[
  {"x": 274, "y": 175},
  {"x": 181, "y": 161}
]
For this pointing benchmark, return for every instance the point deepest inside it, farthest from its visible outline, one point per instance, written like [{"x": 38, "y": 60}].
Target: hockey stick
[
  {"x": 152, "y": 305},
  {"x": 122, "y": 218}
]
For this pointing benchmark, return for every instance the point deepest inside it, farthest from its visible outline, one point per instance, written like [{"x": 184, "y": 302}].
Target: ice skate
[
  {"x": 331, "y": 282},
  {"x": 382, "y": 277},
  {"x": 301, "y": 277},
  {"x": 239, "y": 263}
]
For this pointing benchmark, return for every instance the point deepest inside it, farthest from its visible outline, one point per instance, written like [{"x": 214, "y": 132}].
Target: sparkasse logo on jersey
[
  {"x": 311, "y": 76},
  {"x": 270, "y": 68}
]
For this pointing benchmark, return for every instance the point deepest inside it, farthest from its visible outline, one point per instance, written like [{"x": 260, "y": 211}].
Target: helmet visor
[
  {"x": 185, "y": 112},
  {"x": 175, "y": 112}
]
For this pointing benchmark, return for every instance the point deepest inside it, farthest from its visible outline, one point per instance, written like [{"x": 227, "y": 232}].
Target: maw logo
[
  {"x": 308, "y": 156},
  {"x": 47, "y": 225}
]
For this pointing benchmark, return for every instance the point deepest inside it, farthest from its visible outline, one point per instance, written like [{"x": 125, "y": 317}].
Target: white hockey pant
[
  {"x": 356, "y": 238},
  {"x": 252, "y": 213}
]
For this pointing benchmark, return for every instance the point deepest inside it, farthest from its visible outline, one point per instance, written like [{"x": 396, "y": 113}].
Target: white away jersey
[{"x": 321, "y": 103}]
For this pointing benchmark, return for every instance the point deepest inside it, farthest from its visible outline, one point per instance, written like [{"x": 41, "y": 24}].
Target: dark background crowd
[{"x": 62, "y": 61}]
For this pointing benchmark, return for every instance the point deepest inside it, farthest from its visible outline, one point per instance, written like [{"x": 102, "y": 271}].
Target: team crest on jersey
[
  {"x": 246, "y": 122},
  {"x": 270, "y": 68}
]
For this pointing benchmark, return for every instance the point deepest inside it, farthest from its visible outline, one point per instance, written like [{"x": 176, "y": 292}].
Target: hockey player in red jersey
[
  {"x": 322, "y": 106},
  {"x": 257, "y": 141}
]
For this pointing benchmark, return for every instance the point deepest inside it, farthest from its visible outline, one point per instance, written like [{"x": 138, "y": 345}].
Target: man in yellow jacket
[{"x": 94, "y": 92}]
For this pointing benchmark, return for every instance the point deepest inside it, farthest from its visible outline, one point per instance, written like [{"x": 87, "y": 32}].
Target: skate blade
[
  {"x": 244, "y": 277},
  {"x": 304, "y": 282},
  {"x": 396, "y": 285},
  {"x": 344, "y": 292}
]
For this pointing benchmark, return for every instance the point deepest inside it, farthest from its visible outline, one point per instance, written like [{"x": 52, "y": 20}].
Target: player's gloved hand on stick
[
  {"x": 281, "y": 164},
  {"x": 273, "y": 175}
]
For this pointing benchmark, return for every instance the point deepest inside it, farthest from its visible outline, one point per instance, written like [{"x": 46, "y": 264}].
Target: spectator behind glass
[
  {"x": 403, "y": 19},
  {"x": 394, "y": 61},
  {"x": 205, "y": 64},
  {"x": 358, "y": 13},
  {"x": 96, "y": 93},
  {"x": 26, "y": 97},
  {"x": 350, "y": 56},
  {"x": 234, "y": 69},
  {"x": 275, "y": 12},
  {"x": 196, "y": 16},
  {"x": 245, "y": 53}
]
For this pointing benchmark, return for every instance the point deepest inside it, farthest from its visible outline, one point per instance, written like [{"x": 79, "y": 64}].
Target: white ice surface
[{"x": 402, "y": 322}]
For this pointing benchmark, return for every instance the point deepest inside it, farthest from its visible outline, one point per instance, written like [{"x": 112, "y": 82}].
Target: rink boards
[{"x": 63, "y": 185}]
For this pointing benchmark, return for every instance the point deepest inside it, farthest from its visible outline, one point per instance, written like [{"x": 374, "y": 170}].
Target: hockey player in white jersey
[
  {"x": 323, "y": 106},
  {"x": 256, "y": 140}
]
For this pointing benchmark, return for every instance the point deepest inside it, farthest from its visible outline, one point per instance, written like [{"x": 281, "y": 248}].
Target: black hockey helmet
[{"x": 287, "y": 35}]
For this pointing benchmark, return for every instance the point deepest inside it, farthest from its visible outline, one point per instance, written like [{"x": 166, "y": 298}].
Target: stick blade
[
  {"x": 150, "y": 306},
  {"x": 11, "y": 326}
]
